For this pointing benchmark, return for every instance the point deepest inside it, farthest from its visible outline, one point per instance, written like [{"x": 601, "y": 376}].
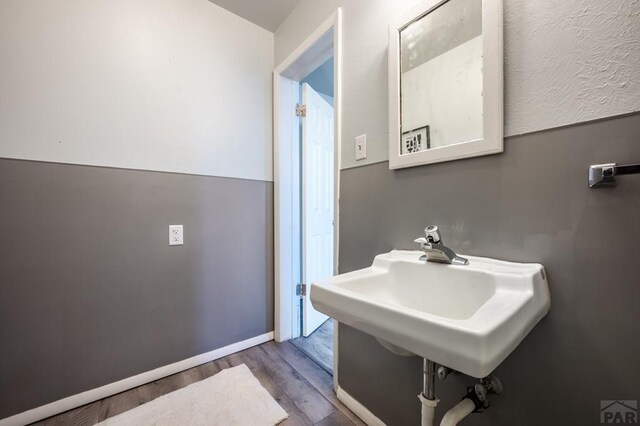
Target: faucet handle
[
  {"x": 433, "y": 234},
  {"x": 424, "y": 243}
]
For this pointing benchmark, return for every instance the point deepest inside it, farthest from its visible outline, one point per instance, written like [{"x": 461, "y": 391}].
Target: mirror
[{"x": 445, "y": 82}]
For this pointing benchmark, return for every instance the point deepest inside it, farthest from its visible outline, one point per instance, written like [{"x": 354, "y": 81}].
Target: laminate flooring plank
[
  {"x": 337, "y": 418},
  {"x": 149, "y": 392},
  {"x": 319, "y": 345},
  {"x": 296, "y": 418},
  {"x": 284, "y": 374},
  {"x": 268, "y": 382},
  {"x": 314, "y": 406},
  {"x": 311, "y": 371},
  {"x": 306, "y": 398},
  {"x": 281, "y": 398},
  {"x": 187, "y": 377},
  {"x": 119, "y": 403},
  {"x": 209, "y": 369},
  {"x": 222, "y": 363},
  {"x": 298, "y": 384},
  {"x": 234, "y": 360},
  {"x": 266, "y": 378},
  {"x": 248, "y": 357},
  {"x": 315, "y": 375},
  {"x": 172, "y": 383}
]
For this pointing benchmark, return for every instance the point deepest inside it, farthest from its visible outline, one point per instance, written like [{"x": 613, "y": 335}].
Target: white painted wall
[
  {"x": 445, "y": 93},
  {"x": 565, "y": 62},
  {"x": 170, "y": 85},
  {"x": 570, "y": 61}
]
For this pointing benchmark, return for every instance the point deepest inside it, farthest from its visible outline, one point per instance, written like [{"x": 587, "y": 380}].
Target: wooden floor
[
  {"x": 299, "y": 385},
  {"x": 319, "y": 345}
]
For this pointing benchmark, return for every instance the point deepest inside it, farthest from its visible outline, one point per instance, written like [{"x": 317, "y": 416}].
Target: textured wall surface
[
  {"x": 176, "y": 85},
  {"x": 565, "y": 62},
  {"x": 570, "y": 61},
  {"x": 530, "y": 204},
  {"x": 90, "y": 291}
]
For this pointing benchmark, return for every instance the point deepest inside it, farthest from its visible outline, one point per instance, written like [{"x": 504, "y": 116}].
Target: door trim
[{"x": 325, "y": 41}]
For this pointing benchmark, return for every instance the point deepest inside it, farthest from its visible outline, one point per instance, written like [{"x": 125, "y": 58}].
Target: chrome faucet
[{"x": 435, "y": 250}]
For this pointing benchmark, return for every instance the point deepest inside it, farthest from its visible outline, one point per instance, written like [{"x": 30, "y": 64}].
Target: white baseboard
[
  {"x": 74, "y": 401},
  {"x": 358, "y": 409}
]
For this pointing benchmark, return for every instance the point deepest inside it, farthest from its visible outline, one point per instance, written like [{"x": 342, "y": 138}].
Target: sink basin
[{"x": 468, "y": 318}]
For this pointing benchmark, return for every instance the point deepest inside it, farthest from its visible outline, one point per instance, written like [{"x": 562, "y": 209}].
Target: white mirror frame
[{"x": 492, "y": 81}]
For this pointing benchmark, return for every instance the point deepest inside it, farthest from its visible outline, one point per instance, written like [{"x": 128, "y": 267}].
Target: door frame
[{"x": 324, "y": 42}]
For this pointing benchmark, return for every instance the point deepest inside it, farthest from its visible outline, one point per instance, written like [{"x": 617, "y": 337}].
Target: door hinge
[
  {"x": 301, "y": 290},
  {"x": 301, "y": 110}
]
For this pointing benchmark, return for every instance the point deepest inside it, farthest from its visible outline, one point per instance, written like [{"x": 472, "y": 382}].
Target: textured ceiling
[{"x": 268, "y": 14}]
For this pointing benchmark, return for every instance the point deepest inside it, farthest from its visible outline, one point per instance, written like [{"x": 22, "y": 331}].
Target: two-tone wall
[
  {"x": 118, "y": 119},
  {"x": 572, "y": 93},
  {"x": 565, "y": 62},
  {"x": 529, "y": 204}
]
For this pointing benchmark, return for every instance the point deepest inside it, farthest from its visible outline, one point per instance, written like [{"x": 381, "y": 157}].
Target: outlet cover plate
[
  {"x": 176, "y": 235},
  {"x": 361, "y": 147}
]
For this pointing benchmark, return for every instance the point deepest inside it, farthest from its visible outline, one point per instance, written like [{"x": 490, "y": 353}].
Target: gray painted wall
[
  {"x": 90, "y": 291},
  {"x": 529, "y": 204}
]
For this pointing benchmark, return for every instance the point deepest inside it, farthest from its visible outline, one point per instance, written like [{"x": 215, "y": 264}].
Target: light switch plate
[
  {"x": 361, "y": 147},
  {"x": 176, "y": 235}
]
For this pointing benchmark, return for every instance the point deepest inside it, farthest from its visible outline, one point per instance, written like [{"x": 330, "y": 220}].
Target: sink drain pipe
[
  {"x": 459, "y": 412},
  {"x": 475, "y": 400},
  {"x": 428, "y": 395}
]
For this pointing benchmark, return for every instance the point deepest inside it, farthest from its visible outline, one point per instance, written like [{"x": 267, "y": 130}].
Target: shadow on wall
[{"x": 321, "y": 79}]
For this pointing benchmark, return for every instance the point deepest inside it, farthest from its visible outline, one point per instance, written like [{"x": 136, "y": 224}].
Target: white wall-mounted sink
[{"x": 468, "y": 318}]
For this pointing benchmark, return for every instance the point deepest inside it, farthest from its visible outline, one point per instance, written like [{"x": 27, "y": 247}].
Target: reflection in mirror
[{"x": 441, "y": 77}]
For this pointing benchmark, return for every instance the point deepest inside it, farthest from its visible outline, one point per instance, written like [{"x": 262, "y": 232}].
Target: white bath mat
[{"x": 231, "y": 397}]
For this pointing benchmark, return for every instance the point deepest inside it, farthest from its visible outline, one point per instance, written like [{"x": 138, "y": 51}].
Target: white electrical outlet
[
  {"x": 176, "y": 235},
  {"x": 361, "y": 147}
]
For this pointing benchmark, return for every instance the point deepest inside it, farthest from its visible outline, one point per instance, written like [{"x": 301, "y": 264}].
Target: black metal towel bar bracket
[{"x": 604, "y": 175}]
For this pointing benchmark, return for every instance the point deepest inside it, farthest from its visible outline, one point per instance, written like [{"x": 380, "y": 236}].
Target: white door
[{"x": 317, "y": 200}]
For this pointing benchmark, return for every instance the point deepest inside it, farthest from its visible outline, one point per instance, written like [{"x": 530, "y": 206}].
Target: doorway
[
  {"x": 306, "y": 164},
  {"x": 316, "y": 116}
]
